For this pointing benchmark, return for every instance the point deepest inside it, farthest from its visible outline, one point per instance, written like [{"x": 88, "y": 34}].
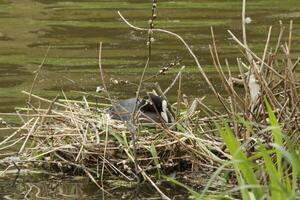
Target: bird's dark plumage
[{"x": 151, "y": 108}]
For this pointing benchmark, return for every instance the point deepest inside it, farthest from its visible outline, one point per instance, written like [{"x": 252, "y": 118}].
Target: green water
[{"x": 74, "y": 28}]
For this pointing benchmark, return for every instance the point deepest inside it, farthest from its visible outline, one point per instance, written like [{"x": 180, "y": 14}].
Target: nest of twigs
[{"x": 76, "y": 135}]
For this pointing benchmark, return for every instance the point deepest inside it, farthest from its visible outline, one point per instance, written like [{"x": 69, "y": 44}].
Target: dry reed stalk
[
  {"x": 266, "y": 48},
  {"x": 174, "y": 80},
  {"x": 37, "y": 72},
  {"x": 12, "y": 144},
  {"x": 178, "y": 99},
  {"x": 254, "y": 55},
  {"x": 43, "y": 99},
  {"x": 105, "y": 148},
  {"x": 31, "y": 131},
  {"x": 248, "y": 54},
  {"x": 16, "y": 132},
  {"x": 214, "y": 53},
  {"x": 84, "y": 139},
  {"x": 183, "y": 42}
]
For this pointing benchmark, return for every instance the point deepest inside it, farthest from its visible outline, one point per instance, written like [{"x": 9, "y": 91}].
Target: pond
[{"x": 73, "y": 29}]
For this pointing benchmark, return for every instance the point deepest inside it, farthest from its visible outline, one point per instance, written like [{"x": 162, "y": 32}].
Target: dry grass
[{"x": 77, "y": 136}]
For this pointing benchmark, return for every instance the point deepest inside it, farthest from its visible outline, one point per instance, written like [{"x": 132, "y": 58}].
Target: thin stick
[
  {"x": 178, "y": 99},
  {"x": 290, "y": 34},
  {"x": 37, "y": 72},
  {"x": 73, "y": 119},
  {"x": 266, "y": 48},
  {"x": 105, "y": 148},
  {"x": 16, "y": 132},
  {"x": 183, "y": 42},
  {"x": 132, "y": 127},
  {"x": 49, "y": 110},
  {"x": 249, "y": 56},
  {"x": 279, "y": 37},
  {"x": 93, "y": 179},
  {"x": 100, "y": 69},
  {"x": 139, "y": 88},
  {"x": 7, "y": 168},
  {"x": 28, "y": 135},
  {"x": 253, "y": 54},
  {"x": 12, "y": 144},
  {"x": 148, "y": 178},
  {"x": 43, "y": 99},
  {"x": 174, "y": 81}
]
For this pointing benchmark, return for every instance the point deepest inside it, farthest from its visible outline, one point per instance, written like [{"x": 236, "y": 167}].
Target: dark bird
[{"x": 151, "y": 108}]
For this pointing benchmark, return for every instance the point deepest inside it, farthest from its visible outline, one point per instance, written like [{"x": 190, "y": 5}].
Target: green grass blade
[
  {"x": 293, "y": 158},
  {"x": 195, "y": 194},
  {"x": 155, "y": 158},
  {"x": 242, "y": 186},
  {"x": 243, "y": 164},
  {"x": 275, "y": 187},
  {"x": 119, "y": 138},
  {"x": 125, "y": 139},
  {"x": 277, "y": 136}
]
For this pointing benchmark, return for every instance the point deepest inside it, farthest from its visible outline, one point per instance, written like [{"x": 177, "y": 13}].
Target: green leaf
[
  {"x": 241, "y": 163},
  {"x": 275, "y": 180},
  {"x": 277, "y": 136},
  {"x": 195, "y": 194},
  {"x": 155, "y": 158}
]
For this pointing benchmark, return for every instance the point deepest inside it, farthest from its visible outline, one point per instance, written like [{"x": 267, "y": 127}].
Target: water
[
  {"x": 74, "y": 28},
  {"x": 56, "y": 187}
]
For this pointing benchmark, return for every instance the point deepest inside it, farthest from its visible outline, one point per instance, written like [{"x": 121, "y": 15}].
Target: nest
[{"x": 76, "y": 136}]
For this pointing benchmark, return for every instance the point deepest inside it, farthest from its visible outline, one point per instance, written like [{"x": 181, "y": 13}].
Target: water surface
[{"x": 73, "y": 30}]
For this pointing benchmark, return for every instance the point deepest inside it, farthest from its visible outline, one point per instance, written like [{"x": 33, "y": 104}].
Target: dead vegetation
[{"x": 78, "y": 135}]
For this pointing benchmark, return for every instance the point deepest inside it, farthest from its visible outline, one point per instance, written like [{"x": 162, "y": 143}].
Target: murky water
[
  {"x": 55, "y": 187},
  {"x": 73, "y": 29}
]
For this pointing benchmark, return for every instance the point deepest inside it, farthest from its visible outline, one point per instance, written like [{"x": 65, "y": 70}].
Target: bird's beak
[{"x": 164, "y": 111}]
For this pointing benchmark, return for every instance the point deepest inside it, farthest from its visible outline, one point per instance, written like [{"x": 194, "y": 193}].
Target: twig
[
  {"x": 266, "y": 48},
  {"x": 37, "y": 72},
  {"x": 16, "y": 132},
  {"x": 184, "y": 43},
  {"x": 174, "y": 81},
  {"x": 249, "y": 56},
  {"x": 290, "y": 34},
  {"x": 105, "y": 148},
  {"x": 29, "y": 134}
]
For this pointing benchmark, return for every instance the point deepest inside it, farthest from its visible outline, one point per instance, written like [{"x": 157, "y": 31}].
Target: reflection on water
[
  {"x": 73, "y": 30},
  {"x": 55, "y": 187},
  {"x": 37, "y": 187}
]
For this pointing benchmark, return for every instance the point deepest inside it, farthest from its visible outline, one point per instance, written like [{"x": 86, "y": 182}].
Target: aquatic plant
[{"x": 254, "y": 152}]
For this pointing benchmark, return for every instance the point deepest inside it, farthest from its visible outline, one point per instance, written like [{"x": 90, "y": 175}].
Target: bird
[{"x": 150, "y": 108}]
